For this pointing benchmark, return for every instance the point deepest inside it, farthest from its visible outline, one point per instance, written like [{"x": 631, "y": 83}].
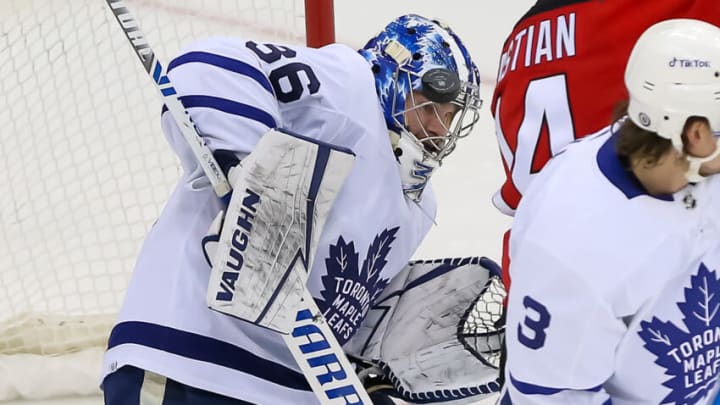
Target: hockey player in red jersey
[
  {"x": 614, "y": 245},
  {"x": 560, "y": 75}
]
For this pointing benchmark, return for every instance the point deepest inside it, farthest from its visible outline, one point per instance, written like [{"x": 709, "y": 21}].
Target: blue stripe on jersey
[
  {"x": 230, "y": 107},
  {"x": 223, "y": 62},
  {"x": 532, "y": 389},
  {"x": 207, "y": 349}
]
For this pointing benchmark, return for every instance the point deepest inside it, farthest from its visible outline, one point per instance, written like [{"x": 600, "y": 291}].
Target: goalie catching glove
[
  {"x": 261, "y": 249},
  {"x": 432, "y": 334}
]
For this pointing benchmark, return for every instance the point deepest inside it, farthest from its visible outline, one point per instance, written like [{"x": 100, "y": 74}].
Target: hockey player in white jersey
[
  {"x": 615, "y": 290},
  {"x": 399, "y": 105}
]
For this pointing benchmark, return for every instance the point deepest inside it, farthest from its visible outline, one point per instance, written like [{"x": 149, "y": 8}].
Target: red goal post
[
  {"x": 319, "y": 22},
  {"x": 86, "y": 169}
]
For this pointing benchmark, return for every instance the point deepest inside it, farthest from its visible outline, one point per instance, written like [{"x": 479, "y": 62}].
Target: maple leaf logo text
[
  {"x": 690, "y": 355},
  {"x": 350, "y": 289}
]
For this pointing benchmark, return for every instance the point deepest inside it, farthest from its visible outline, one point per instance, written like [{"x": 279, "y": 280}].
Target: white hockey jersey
[
  {"x": 235, "y": 90},
  {"x": 616, "y": 294}
]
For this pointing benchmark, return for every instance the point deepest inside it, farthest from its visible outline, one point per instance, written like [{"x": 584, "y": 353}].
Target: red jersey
[{"x": 561, "y": 73}]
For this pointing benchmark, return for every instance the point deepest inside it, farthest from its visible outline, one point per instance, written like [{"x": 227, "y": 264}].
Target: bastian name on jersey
[{"x": 542, "y": 42}]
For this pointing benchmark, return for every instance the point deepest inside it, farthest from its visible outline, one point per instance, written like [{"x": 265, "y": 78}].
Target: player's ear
[
  {"x": 698, "y": 138},
  {"x": 692, "y": 135}
]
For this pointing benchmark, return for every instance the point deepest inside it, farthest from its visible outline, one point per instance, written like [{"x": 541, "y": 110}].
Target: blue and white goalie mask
[{"x": 429, "y": 90}]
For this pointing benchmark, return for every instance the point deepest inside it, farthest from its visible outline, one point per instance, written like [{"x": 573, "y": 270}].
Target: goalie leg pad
[{"x": 283, "y": 192}]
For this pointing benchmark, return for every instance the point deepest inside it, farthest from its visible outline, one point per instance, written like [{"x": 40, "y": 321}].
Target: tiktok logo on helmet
[
  {"x": 666, "y": 88},
  {"x": 689, "y": 63}
]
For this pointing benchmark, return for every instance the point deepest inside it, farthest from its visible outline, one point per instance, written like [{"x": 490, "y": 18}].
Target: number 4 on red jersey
[{"x": 561, "y": 75}]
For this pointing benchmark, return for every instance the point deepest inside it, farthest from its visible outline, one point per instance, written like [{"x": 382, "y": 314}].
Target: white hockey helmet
[{"x": 674, "y": 73}]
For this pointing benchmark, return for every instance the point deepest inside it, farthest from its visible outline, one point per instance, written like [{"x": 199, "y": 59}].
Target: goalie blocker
[
  {"x": 282, "y": 194},
  {"x": 261, "y": 251}
]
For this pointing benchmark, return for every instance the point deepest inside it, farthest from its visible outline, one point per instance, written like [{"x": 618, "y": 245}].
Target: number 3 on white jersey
[{"x": 546, "y": 115}]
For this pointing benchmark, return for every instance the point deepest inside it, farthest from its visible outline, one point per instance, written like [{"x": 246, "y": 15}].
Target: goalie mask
[
  {"x": 423, "y": 73},
  {"x": 673, "y": 74}
]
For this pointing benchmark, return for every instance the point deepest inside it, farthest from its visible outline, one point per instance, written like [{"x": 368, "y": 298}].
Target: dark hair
[{"x": 637, "y": 143}]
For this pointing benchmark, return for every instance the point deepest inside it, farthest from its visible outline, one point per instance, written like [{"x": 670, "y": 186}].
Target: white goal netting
[{"x": 86, "y": 169}]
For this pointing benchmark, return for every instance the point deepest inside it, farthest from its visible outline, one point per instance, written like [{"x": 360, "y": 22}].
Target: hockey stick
[
  {"x": 157, "y": 73},
  {"x": 311, "y": 342},
  {"x": 322, "y": 359}
]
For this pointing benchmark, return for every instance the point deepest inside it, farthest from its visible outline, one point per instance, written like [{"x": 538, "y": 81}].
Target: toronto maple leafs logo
[
  {"x": 690, "y": 356},
  {"x": 349, "y": 290}
]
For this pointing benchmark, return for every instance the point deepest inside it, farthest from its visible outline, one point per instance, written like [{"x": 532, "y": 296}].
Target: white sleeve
[
  {"x": 561, "y": 336},
  {"x": 712, "y": 185},
  {"x": 227, "y": 93}
]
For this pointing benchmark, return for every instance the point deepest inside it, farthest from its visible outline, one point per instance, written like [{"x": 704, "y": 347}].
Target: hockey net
[
  {"x": 483, "y": 331},
  {"x": 86, "y": 169}
]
